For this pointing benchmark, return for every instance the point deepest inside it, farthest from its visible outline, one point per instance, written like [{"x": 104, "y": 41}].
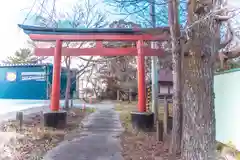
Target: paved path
[{"x": 98, "y": 139}]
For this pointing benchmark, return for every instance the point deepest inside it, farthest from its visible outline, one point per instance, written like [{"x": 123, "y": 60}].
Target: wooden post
[
  {"x": 130, "y": 94},
  {"x": 71, "y": 102},
  {"x": 118, "y": 95},
  {"x": 165, "y": 118},
  {"x": 19, "y": 118},
  {"x": 159, "y": 130}
]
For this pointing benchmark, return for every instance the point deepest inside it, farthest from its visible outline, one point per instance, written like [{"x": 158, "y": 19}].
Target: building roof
[
  {"x": 68, "y": 31},
  {"x": 227, "y": 71},
  {"x": 34, "y": 65},
  {"x": 25, "y": 65}
]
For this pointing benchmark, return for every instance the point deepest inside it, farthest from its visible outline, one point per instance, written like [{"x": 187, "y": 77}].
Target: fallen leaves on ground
[
  {"x": 36, "y": 140},
  {"x": 139, "y": 145}
]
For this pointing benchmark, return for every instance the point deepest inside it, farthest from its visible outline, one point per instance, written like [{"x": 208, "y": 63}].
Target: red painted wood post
[
  {"x": 55, "y": 97},
  {"x": 141, "y": 77}
]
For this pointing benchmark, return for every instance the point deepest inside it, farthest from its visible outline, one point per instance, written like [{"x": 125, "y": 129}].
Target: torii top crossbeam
[
  {"x": 62, "y": 34},
  {"x": 74, "y": 34}
]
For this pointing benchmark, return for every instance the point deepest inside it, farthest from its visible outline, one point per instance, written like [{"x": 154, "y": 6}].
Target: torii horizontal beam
[
  {"x": 90, "y": 37},
  {"x": 99, "y": 51},
  {"x": 71, "y": 34}
]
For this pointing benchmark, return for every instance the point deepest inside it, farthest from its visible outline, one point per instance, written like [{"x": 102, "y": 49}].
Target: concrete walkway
[{"x": 98, "y": 139}]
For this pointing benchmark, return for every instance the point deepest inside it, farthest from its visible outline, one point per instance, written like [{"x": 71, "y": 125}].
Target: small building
[
  {"x": 165, "y": 83},
  {"x": 31, "y": 81}
]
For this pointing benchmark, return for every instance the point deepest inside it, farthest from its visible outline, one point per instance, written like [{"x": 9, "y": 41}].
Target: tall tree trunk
[
  {"x": 199, "y": 118},
  {"x": 198, "y": 107},
  {"x": 68, "y": 87},
  {"x": 175, "y": 145}
]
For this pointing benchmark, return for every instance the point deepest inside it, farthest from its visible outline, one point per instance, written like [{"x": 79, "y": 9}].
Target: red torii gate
[{"x": 99, "y": 35}]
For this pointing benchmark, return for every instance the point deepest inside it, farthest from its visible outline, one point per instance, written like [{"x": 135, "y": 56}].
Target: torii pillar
[
  {"x": 56, "y": 118},
  {"x": 141, "y": 120}
]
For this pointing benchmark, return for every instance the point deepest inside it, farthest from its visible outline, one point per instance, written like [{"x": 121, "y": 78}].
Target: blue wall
[
  {"x": 27, "y": 84},
  {"x": 22, "y": 88}
]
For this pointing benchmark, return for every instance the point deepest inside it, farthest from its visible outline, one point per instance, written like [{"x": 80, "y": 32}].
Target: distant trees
[
  {"x": 23, "y": 55},
  {"x": 120, "y": 71}
]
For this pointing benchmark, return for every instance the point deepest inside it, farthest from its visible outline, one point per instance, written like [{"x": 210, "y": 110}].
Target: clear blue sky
[{"x": 13, "y": 12}]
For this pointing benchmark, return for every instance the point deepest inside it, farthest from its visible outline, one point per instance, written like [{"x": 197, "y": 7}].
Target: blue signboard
[{"x": 37, "y": 76}]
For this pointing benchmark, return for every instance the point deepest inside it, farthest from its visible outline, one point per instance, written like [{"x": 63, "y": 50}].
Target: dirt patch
[{"x": 34, "y": 140}]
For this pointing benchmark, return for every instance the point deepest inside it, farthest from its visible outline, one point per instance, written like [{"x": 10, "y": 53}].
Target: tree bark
[
  {"x": 199, "y": 118},
  {"x": 175, "y": 145},
  {"x": 68, "y": 87},
  {"x": 198, "y": 107}
]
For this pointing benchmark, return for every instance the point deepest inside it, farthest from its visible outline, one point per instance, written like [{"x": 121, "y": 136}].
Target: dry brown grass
[
  {"x": 125, "y": 107},
  {"x": 139, "y": 145}
]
